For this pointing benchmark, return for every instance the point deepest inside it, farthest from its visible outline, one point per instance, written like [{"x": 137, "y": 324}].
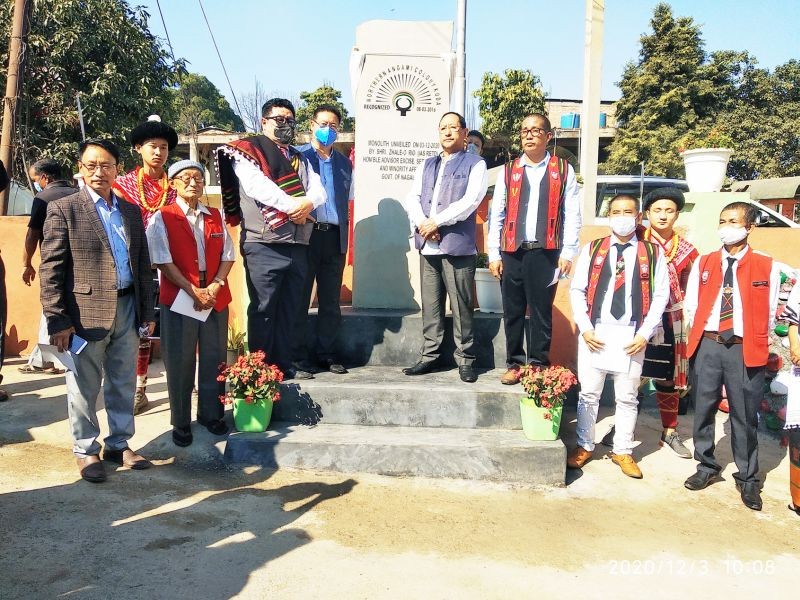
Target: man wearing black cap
[
  {"x": 148, "y": 188},
  {"x": 665, "y": 359}
]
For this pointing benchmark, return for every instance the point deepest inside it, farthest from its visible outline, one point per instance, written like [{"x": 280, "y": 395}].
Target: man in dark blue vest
[
  {"x": 328, "y": 244},
  {"x": 447, "y": 190}
]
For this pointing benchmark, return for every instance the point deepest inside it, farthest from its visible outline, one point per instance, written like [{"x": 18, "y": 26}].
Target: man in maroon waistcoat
[{"x": 533, "y": 237}]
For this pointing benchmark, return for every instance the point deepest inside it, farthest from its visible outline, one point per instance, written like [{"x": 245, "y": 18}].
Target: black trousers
[
  {"x": 325, "y": 265},
  {"x": 275, "y": 275},
  {"x": 712, "y": 366},
  {"x": 526, "y": 275}
]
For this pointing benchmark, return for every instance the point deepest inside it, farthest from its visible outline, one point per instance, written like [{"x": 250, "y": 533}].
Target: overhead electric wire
[{"x": 224, "y": 70}]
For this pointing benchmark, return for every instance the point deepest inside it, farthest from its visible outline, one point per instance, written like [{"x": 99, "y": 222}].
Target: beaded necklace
[
  {"x": 673, "y": 252},
  {"x": 160, "y": 201}
]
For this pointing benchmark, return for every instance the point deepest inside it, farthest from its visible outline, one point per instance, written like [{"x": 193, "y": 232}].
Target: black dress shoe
[
  {"x": 297, "y": 374},
  {"x": 420, "y": 368},
  {"x": 751, "y": 495},
  {"x": 182, "y": 436},
  {"x": 701, "y": 480},
  {"x": 214, "y": 426},
  {"x": 467, "y": 374},
  {"x": 334, "y": 367}
]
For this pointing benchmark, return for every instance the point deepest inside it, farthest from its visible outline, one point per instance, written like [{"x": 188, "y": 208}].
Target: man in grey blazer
[{"x": 96, "y": 283}]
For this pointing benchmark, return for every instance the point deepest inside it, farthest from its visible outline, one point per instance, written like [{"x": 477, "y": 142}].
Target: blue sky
[{"x": 297, "y": 45}]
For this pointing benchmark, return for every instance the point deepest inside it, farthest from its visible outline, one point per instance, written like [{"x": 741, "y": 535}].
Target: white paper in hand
[
  {"x": 613, "y": 358},
  {"x": 184, "y": 305}
]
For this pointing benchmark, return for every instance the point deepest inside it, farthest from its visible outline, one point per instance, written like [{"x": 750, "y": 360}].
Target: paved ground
[{"x": 195, "y": 528}]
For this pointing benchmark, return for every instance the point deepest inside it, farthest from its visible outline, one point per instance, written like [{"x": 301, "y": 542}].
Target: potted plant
[
  {"x": 705, "y": 152},
  {"x": 487, "y": 287},
  {"x": 253, "y": 385},
  {"x": 543, "y": 403},
  {"x": 235, "y": 342}
]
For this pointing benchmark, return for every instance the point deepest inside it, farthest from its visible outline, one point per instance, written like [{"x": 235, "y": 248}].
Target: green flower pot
[
  {"x": 535, "y": 425},
  {"x": 252, "y": 418}
]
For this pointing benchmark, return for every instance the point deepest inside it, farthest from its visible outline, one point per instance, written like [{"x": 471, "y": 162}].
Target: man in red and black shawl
[{"x": 269, "y": 188}]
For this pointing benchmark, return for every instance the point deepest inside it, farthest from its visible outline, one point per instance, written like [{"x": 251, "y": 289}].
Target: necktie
[
  {"x": 618, "y": 299},
  {"x": 726, "y": 306}
]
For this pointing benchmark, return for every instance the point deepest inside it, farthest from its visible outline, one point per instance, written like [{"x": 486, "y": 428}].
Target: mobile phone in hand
[{"x": 76, "y": 343}]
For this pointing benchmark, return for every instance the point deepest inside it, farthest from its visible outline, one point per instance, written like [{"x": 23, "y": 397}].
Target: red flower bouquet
[
  {"x": 251, "y": 379},
  {"x": 546, "y": 387}
]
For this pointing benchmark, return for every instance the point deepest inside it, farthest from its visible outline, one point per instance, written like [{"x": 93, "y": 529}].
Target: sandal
[
  {"x": 30, "y": 369},
  {"x": 54, "y": 371}
]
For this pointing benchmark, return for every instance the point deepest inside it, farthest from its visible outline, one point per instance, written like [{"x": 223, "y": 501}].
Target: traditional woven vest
[
  {"x": 600, "y": 276},
  {"x": 183, "y": 248},
  {"x": 550, "y": 213},
  {"x": 753, "y": 276}
]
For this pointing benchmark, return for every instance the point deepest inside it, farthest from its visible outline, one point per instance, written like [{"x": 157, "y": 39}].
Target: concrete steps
[
  {"x": 384, "y": 396},
  {"x": 476, "y": 454},
  {"x": 377, "y": 420}
]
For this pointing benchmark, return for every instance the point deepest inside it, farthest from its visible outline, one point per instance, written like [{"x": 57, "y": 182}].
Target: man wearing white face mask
[
  {"x": 327, "y": 246},
  {"x": 730, "y": 306},
  {"x": 618, "y": 280}
]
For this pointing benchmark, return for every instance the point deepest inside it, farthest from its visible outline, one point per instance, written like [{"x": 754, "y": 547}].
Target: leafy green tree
[
  {"x": 764, "y": 122},
  {"x": 326, "y": 94},
  {"x": 504, "y": 101},
  {"x": 100, "y": 48},
  {"x": 673, "y": 88},
  {"x": 198, "y": 103}
]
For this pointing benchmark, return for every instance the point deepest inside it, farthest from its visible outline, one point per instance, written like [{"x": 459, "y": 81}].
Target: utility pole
[
  {"x": 460, "y": 83},
  {"x": 590, "y": 111},
  {"x": 13, "y": 82}
]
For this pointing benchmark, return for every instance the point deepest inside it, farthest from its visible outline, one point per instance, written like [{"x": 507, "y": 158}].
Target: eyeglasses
[
  {"x": 187, "y": 179},
  {"x": 104, "y": 167},
  {"x": 535, "y": 131},
  {"x": 334, "y": 126},
  {"x": 283, "y": 121}
]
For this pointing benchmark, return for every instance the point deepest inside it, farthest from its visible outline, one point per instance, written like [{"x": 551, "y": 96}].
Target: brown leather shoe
[
  {"x": 627, "y": 464},
  {"x": 578, "y": 457},
  {"x": 127, "y": 458},
  {"x": 511, "y": 376},
  {"x": 92, "y": 469}
]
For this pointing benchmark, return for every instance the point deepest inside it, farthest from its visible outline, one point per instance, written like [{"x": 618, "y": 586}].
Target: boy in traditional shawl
[{"x": 147, "y": 187}]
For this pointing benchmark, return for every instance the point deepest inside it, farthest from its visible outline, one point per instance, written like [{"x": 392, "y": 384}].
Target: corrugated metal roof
[{"x": 769, "y": 189}]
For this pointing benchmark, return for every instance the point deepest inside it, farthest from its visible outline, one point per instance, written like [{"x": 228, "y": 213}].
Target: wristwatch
[{"x": 219, "y": 281}]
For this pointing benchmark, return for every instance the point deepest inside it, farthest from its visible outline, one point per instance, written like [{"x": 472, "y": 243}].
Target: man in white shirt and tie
[{"x": 730, "y": 305}]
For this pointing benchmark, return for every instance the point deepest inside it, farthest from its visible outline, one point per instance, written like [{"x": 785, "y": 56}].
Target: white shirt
[
  {"x": 712, "y": 324},
  {"x": 534, "y": 174},
  {"x": 659, "y": 294},
  {"x": 158, "y": 242},
  {"x": 455, "y": 211},
  {"x": 264, "y": 191}
]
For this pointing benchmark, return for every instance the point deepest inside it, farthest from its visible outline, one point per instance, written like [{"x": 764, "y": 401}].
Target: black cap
[
  {"x": 664, "y": 193},
  {"x": 154, "y": 129}
]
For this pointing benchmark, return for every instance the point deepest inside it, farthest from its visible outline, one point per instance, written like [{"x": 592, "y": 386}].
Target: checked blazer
[{"x": 78, "y": 278}]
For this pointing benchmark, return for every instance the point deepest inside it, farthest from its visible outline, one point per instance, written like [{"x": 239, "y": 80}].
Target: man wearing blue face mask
[
  {"x": 475, "y": 142},
  {"x": 49, "y": 183},
  {"x": 327, "y": 246}
]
